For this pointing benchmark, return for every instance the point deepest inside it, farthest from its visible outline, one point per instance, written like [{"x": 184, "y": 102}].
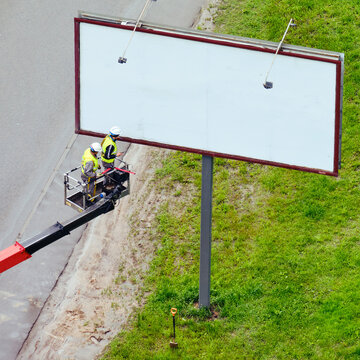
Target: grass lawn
[{"x": 285, "y": 252}]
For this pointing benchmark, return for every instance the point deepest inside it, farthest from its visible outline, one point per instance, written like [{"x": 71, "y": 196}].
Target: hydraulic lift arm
[{"x": 17, "y": 253}]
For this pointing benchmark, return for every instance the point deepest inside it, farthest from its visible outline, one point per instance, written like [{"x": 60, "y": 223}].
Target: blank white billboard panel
[{"x": 203, "y": 94}]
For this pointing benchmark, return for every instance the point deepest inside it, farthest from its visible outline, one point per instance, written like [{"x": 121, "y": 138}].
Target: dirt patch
[
  {"x": 207, "y": 16},
  {"x": 100, "y": 286}
]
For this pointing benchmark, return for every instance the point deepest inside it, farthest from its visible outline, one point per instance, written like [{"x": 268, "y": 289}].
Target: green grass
[{"x": 286, "y": 244}]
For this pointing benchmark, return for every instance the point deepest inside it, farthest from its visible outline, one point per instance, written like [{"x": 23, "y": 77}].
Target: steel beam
[{"x": 205, "y": 231}]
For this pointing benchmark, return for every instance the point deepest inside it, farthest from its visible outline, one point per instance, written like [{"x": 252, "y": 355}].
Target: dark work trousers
[{"x": 107, "y": 179}]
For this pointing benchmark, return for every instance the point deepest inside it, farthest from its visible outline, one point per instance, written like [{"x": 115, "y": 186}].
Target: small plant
[
  {"x": 121, "y": 268},
  {"x": 107, "y": 291},
  {"x": 115, "y": 306},
  {"x": 120, "y": 279}
]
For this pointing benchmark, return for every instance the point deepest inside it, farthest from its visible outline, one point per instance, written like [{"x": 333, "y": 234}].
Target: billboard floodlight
[
  {"x": 122, "y": 59},
  {"x": 269, "y": 84}
]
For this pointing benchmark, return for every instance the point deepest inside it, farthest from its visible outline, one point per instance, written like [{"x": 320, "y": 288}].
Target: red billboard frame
[{"x": 317, "y": 56}]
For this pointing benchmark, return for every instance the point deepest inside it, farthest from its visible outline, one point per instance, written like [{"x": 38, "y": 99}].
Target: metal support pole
[{"x": 205, "y": 231}]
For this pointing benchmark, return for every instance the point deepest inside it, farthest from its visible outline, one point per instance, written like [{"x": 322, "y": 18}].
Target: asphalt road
[{"x": 37, "y": 134}]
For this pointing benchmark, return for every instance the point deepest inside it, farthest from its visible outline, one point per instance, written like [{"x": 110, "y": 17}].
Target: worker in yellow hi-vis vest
[
  {"x": 109, "y": 150},
  {"x": 89, "y": 165}
]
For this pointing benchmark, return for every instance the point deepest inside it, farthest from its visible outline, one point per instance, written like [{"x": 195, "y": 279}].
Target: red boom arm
[{"x": 12, "y": 256}]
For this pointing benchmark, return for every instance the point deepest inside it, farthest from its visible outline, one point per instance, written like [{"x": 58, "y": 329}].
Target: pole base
[
  {"x": 268, "y": 85},
  {"x": 122, "y": 60},
  {"x": 173, "y": 344}
]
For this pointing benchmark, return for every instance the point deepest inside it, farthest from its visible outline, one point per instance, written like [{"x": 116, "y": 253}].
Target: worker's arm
[
  {"x": 88, "y": 170},
  {"x": 109, "y": 153}
]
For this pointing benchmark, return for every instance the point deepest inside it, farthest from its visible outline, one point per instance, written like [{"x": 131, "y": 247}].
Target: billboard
[{"x": 203, "y": 92}]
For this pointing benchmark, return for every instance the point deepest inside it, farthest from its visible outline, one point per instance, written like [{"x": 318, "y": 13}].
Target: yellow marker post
[{"x": 173, "y": 344}]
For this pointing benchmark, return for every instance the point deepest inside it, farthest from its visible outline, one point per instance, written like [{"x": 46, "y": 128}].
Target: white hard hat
[
  {"x": 115, "y": 131},
  {"x": 95, "y": 147}
]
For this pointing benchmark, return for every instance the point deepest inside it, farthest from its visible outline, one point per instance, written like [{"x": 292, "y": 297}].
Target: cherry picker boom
[{"x": 104, "y": 201}]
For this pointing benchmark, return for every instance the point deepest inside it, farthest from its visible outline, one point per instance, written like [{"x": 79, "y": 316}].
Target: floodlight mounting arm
[
  {"x": 122, "y": 59},
  {"x": 269, "y": 85}
]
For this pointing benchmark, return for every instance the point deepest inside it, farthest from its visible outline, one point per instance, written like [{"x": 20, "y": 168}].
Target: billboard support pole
[{"x": 205, "y": 231}]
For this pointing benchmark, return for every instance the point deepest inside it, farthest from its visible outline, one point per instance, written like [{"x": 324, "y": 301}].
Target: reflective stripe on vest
[
  {"x": 107, "y": 142},
  {"x": 88, "y": 156}
]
